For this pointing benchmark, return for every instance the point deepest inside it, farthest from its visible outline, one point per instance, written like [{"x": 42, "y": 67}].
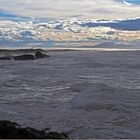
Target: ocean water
[{"x": 89, "y": 94}]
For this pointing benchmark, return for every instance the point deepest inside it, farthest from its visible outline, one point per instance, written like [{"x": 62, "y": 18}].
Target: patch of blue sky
[
  {"x": 133, "y": 1},
  {"x": 14, "y": 17}
]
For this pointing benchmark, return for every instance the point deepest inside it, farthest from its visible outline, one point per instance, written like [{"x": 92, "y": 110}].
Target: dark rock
[
  {"x": 24, "y": 57},
  {"x": 11, "y": 130},
  {"x": 39, "y": 55},
  {"x": 5, "y": 58}
]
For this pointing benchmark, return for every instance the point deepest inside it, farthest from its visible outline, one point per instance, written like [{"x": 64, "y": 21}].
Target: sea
[{"x": 87, "y": 94}]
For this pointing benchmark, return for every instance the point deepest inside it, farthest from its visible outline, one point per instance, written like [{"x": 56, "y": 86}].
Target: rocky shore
[{"x": 12, "y": 130}]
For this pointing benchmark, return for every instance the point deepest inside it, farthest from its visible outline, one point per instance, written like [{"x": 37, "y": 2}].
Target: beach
[{"x": 86, "y": 93}]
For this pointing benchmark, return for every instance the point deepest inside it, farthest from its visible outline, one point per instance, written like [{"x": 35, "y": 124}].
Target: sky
[
  {"x": 64, "y": 9},
  {"x": 45, "y": 22}
]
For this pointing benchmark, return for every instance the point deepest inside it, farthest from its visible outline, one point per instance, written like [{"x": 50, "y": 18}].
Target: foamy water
[{"x": 89, "y": 94}]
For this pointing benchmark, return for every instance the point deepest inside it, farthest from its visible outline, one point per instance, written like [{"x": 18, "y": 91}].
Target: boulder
[
  {"x": 39, "y": 55},
  {"x": 24, "y": 57},
  {"x": 11, "y": 130}
]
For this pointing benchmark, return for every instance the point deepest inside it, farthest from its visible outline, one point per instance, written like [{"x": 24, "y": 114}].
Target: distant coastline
[{"x": 32, "y": 50}]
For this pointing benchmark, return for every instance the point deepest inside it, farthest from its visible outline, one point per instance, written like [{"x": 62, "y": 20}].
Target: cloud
[
  {"x": 127, "y": 3},
  {"x": 66, "y": 31},
  {"x": 61, "y": 9}
]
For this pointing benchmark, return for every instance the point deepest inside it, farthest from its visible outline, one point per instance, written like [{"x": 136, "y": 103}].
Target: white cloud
[
  {"x": 68, "y": 31},
  {"x": 58, "y": 9}
]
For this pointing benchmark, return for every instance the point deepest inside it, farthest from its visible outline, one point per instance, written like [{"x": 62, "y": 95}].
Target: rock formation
[
  {"x": 39, "y": 55},
  {"x": 11, "y": 130},
  {"x": 5, "y": 58},
  {"x": 24, "y": 57},
  {"x": 36, "y": 55}
]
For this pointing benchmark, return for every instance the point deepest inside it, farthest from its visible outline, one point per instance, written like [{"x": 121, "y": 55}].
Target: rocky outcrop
[
  {"x": 24, "y": 57},
  {"x": 39, "y": 55},
  {"x": 5, "y": 58},
  {"x": 36, "y": 55},
  {"x": 11, "y": 130}
]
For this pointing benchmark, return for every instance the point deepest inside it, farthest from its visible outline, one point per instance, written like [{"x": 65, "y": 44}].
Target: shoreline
[{"x": 64, "y": 49}]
